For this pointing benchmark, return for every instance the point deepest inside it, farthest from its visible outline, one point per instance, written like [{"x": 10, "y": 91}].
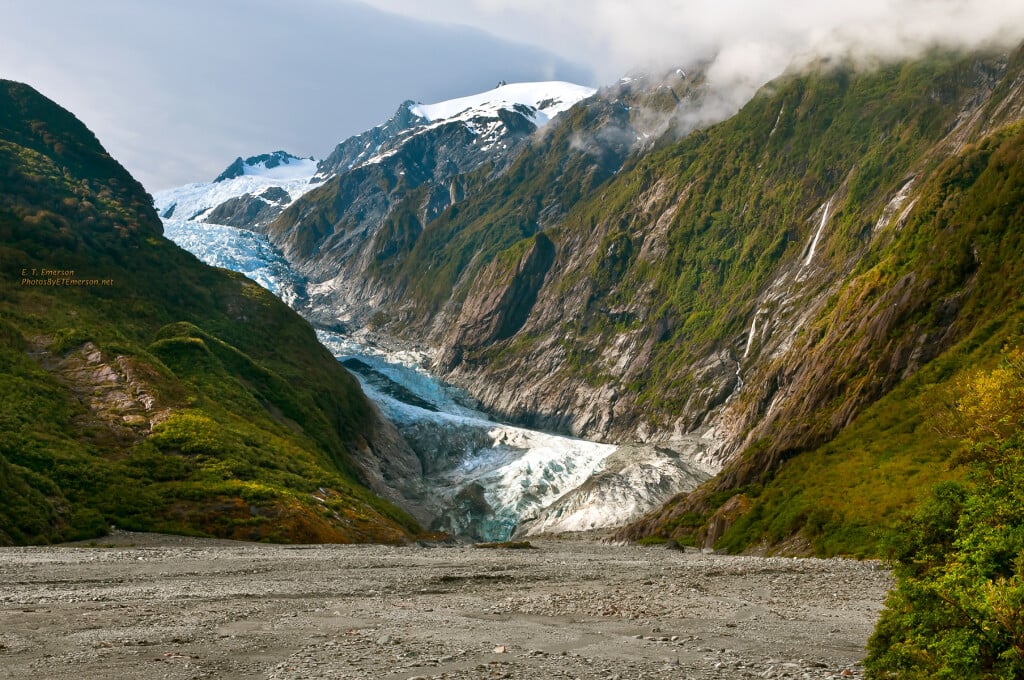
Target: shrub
[{"x": 957, "y": 610}]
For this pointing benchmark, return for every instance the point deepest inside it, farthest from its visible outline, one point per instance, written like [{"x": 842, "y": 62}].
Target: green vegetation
[
  {"x": 740, "y": 200},
  {"x": 744, "y": 197},
  {"x": 958, "y": 607},
  {"x": 961, "y": 242},
  {"x": 678, "y": 247},
  {"x": 843, "y": 497},
  {"x": 146, "y": 389},
  {"x": 500, "y": 212}
]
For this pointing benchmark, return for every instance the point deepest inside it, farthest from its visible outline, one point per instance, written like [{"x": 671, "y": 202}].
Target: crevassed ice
[
  {"x": 521, "y": 470},
  {"x": 239, "y": 250}
]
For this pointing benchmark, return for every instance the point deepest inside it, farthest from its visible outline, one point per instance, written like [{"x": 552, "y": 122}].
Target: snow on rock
[
  {"x": 544, "y": 100},
  {"x": 487, "y": 116},
  {"x": 277, "y": 165},
  {"x": 495, "y": 119},
  {"x": 288, "y": 173}
]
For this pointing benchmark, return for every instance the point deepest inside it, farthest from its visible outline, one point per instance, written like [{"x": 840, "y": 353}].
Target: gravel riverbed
[{"x": 151, "y": 606}]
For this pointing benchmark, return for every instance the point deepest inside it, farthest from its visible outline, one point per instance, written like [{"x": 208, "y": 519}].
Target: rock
[{"x": 501, "y": 299}]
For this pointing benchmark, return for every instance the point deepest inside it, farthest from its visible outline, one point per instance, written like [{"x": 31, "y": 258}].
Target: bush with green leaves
[{"x": 957, "y": 610}]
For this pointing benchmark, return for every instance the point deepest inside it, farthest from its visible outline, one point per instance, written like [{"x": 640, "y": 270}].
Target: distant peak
[
  {"x": 263, "y": 164},
  {"x": 548, "y": 98}
]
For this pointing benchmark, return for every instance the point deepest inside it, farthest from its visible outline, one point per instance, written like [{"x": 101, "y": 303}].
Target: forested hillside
[{"x": 146, "y": 390}]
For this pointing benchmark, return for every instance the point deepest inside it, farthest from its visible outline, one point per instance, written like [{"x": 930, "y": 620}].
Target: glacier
[
  {"x": 516, "y": 471},
  {"x": 242, "y": 251},
  {"x": 487, "y": 480},
  {"x": 481, "y": 479}
]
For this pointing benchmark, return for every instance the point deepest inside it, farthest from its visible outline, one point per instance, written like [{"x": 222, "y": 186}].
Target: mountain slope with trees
[
  {"x": 750, "y": 292},
  {"x": 145, "y": 389}
]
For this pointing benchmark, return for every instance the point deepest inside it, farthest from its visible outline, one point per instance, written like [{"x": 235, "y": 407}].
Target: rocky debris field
[{"x": 149, "y": 606}]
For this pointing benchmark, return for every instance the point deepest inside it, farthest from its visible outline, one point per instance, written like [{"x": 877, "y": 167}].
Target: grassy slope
[
  {"x": 769, "y": 167},
  {"x": 752, "y": 184},
  {"x": 261, "y": 416},
  {"x": 958, "y": 250},
  {"x": 500, "y": 213}
]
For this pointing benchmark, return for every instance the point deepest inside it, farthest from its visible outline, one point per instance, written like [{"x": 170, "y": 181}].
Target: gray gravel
[{"x": 148, "y": 606}]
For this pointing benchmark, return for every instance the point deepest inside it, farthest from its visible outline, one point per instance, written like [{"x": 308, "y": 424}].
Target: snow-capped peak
[
  {"x": 545, "y": 100},
  {"x": 276, "y": 179},
  {"x": 497, "y": 119},
  {"x": 278, "y": 165}
]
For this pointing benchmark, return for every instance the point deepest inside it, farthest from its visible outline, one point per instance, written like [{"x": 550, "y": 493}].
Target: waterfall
[
  {"x": 750, "y": 336},
  {"x": 817, "y": 234}
]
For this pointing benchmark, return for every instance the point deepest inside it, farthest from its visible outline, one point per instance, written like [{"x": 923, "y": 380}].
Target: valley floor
[{"x": 149, "y": 606}]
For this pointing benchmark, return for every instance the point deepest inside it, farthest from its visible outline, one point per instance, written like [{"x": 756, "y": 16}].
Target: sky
[{"x": 177, "y": 89}]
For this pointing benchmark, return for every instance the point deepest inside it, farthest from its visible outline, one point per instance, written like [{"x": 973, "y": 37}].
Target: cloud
[
  {"x": 176, "y": 89},
  {"x": 746, "y": 41},
  {"x": 741, "y": 44}
]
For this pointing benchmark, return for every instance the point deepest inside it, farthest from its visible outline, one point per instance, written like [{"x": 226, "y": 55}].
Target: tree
[{"x": 957, "y": 610}]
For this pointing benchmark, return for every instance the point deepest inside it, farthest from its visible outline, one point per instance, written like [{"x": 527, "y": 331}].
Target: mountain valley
[
  {"x": 778, "y": 298},
  {"x": 146, "y": 390},
  {"x": 472, "y": 340},
  {"x": 581, "y": 309}
]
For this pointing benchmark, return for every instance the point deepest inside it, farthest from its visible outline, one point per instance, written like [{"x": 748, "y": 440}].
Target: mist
[
  {"x": 177, "y": 89},
  {"x": 745, "y": 43}
]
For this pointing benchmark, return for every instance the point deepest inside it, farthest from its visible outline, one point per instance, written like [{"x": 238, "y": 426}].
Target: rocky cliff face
[
  {"x": 361, "y": 148},
  {"x": 687, "y": 291},
  {"x": 743, "y": 292},
  {"x": 248, "y": 211},
  {"x": 500, "y": 301},
  {"x": 382, "y": 187},
  {"x": 755, "y": 284}
]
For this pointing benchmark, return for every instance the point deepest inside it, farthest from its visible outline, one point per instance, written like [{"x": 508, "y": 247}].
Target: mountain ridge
[
  {"x": 147, "y": 390},
  {"x": 695, "y": 285},
  {"x": 261, "y": 164},
  {"x": 727, "y": 292},
  {"x": 493, "y": 122}
]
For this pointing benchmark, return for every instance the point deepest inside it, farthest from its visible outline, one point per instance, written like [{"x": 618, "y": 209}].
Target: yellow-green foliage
[{"x": 957, "y": 610}]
